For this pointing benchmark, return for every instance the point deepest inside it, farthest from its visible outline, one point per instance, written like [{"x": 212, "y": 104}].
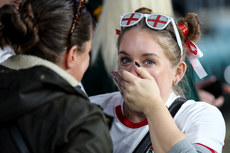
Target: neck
[{"x": 133, "y": 116}]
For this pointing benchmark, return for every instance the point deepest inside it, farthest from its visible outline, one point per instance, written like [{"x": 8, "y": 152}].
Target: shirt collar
[{"x": 171, "y": 99}]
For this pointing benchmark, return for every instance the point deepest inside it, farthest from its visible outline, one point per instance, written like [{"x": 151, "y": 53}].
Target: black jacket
[{"x": 52, "y": 114}]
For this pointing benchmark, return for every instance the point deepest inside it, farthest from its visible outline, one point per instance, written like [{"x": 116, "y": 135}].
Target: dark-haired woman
[{"x": 40, "y": 96}]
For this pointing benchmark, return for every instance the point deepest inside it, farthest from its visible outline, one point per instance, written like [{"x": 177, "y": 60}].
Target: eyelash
[
  {"x": 129, "y": 61},
  {"x": 125, "y": 58},
  {"x": 152, "y": 62}
]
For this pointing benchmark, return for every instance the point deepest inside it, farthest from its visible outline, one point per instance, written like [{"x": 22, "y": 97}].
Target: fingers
[
  {"x": 219, "y": 101},
  {"x": 143, "y": 73},
  {"x": 123, "y": 78},
  {"x": 209, "y": 98},
  {"x": 206, "y": 83},
  {"x": 118, "y": 81},
  {"x": 226, "y": 88},
  {"x": 127, "y": 76},
  {"x": 206, "y": 96}
]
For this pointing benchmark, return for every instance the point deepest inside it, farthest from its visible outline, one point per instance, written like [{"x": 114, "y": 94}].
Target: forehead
[{"x": 139, "y": 41}]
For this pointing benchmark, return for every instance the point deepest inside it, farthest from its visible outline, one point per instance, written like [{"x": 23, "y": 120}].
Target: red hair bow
[{"x": 193, "y": 53}]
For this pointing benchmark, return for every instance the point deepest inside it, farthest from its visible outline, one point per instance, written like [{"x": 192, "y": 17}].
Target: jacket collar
[{"x": 18, "y": 62}]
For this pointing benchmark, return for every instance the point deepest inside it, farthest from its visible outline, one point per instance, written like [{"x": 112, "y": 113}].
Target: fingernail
[
  {"x": 113, "y": 73},
  {"x": 137, "y": 64}
]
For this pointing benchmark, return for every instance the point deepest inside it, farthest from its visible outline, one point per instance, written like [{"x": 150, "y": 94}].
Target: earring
[{"x": 175, "y": 83}]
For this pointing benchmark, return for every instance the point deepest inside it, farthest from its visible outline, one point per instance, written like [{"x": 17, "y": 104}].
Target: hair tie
[
  {"x": 183, "y": 28},
  {"x": 193, "y": 53}
]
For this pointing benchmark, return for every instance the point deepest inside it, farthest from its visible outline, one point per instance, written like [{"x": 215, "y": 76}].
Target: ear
[
  {"x": 71, "y": 57},
  {"x": 180, "y": 71}
]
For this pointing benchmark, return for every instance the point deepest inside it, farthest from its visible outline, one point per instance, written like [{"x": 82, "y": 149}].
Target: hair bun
[
  {"x": 11, "y": 25},
  {"x": 17, "y": 28},
  {"x": 192, "y": 23},
  {"x": 144, "y": 10}
]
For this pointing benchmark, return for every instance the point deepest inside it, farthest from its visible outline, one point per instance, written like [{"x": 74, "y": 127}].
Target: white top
[
  {"x": 5, "y": 53},
  {"x": 200, "y": 121}
]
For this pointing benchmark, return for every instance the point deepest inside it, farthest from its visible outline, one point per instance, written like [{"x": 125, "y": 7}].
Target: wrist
[{"x": 154, "y": 107}]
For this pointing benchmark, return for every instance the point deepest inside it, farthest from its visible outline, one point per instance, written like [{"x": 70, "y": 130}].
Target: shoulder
[
  {"x": 77, "y": 106},
  {"x": 200, "y": 109},
  {"x": 107, "y": 101},
  {"x": 105, "y": 97},
  {"x": 202, "y": 123},
  {"x": 67, "y": 104},
  {"x": 79, "y": 119}
]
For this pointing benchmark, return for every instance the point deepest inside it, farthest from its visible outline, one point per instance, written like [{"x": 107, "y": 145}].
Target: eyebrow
[
  {"x": 144, "y": 55},
  {"x": 123, "y": 52}
]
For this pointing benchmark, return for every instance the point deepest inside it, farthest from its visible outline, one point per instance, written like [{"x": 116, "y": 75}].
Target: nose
[{"x": 132, "y": 69}]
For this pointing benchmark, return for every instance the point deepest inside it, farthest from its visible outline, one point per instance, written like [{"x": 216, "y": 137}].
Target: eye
[
  {"x": 149, "y": 62},
  {"x": 125, "y": 60}
]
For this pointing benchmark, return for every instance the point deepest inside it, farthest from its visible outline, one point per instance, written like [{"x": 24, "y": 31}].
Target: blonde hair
[{"x": 105, "y": 36}]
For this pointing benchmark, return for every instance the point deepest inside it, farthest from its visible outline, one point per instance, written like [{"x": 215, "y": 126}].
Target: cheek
[
  {"x": 85, "y": 64},
  {"x": 120, "y": 67},
  {"x": 130, "y": 68},
  {"x": 163, "y": 81},
  {"x": 155, "y": 74},
  {"x": 83, "y": 67}
]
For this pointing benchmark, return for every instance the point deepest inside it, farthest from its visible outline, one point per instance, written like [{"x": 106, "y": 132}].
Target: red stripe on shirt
[
  {"x": 126, "y": 121},
  {"x": 206, "y": 147}
]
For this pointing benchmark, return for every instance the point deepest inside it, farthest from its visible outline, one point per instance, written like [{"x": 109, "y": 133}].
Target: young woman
[
  {"x": 151, "y": 55},
  {"x": 40, "y": 96}
]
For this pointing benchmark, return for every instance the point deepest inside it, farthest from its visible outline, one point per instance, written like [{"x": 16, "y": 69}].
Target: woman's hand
[
  {"x": 142, "y": 95},
  {"x": 138, "y": 92}
]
